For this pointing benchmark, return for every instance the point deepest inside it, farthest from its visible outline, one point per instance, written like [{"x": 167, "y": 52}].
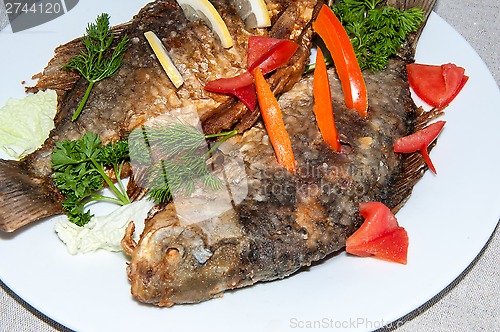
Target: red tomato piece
[
  {"x": 379, "y": 221},
  {"x": 392, "y": 246},
  {"x": 436, "y": 85},
  {"x": 420, "y": 141},
  {"x": 380, "y": 235},
  {"x": 450, "y": 99}
]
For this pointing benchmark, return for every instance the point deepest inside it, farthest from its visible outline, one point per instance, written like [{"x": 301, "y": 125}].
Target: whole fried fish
[
  {"x": 140, "y": 90},
  {"x": 283, "y": 221}
]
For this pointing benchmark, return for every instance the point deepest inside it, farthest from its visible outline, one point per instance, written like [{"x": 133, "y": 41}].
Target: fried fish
[
  {"x": 140, "y": 90},
  {"x": 284, "y": 221}
]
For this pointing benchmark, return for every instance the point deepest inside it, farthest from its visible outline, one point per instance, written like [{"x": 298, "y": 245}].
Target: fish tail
[
  {"x": 413, "y": 165},
  {"x": 23, "y": 198}
]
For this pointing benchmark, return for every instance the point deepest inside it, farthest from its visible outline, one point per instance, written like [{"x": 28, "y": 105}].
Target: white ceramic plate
[{"x": 449, "y": 218}]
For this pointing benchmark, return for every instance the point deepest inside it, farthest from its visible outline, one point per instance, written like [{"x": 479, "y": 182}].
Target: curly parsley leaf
[
  {"x": 79, "y": 172},
  {"x": 377, "y": 32}
]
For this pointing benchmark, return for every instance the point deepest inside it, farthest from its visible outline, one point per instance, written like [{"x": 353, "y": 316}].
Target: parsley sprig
[
  {"x": 376, "y": 32},
  {"x": 172, "y": 155},
  {"x": 97, "y": 62},
  {"x": 80, "y": 173}
]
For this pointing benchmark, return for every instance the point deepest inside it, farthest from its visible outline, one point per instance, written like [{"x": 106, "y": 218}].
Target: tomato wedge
[
  {"x": 379, "y": 221},
  {"x": 331, "y": 31},
  {"x": 391, "y": 247},
  {"x": 436, "y": 85},
  {"x": 380, "y": 235},
  {"x": 420, "y": 141},
  {"x": 273, "y": 121},
  {"x": 323, "y": 108}
]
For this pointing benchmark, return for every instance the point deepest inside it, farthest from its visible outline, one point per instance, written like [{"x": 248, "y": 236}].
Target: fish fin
[
  {"x": 408, "y": 49},
  {"x": 425, "y": 5},
  {"x": 23, "y": 198},
  {"x": 54, "y": 76},
  {"x": 413, "y": 165}
]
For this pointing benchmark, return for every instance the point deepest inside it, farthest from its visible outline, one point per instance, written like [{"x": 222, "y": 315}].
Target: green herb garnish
[
  {"x": 97, "y": 61},
  {"x": 376, "y": 32},
  {"x": 171, "y": 155},
  {"x": 174, "y": 158},
  {"x": 79, "y": 172}
]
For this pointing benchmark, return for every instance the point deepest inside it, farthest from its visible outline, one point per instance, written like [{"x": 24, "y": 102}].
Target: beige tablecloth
[{"x": 471, "y": 302}]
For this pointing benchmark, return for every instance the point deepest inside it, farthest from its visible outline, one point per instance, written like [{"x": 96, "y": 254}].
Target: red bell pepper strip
[
  {"x": 380, "y": 235},
  {"x": 420, "y": 141},
  {"x": 273, "y": 121},
  {"x": 331, "y": 31},
  {"x": 240, "y": 86},
  {"x": 275, "y": 57},
  {"x": 223, "y": 85},
  {"x": 259, "y": 46},
  {"x": 436, "y": 85},
  {"x": 323, "y": 108},
  {"x": 247, "y": 95},
  {"x": 266, "y": 53}
]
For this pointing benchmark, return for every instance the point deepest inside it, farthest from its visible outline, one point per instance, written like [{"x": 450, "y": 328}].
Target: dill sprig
[
  {"x": 376, "y": 32},
  {"x": 97, "y": 62},
  {"x": 174, "y": 159}
]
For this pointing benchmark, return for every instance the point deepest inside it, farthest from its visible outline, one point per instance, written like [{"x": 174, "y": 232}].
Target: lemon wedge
[
  {"x": 253, "y": 12},
  {"x": 165, "y": 61},
  {"x": 204, "y": 10}
]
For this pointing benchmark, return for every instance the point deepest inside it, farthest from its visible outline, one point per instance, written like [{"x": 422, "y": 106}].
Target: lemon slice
[
  {"x": 204, "y": 10},
  {"x": 253, "y": 12},
  {"x": 165, "y": 61}
]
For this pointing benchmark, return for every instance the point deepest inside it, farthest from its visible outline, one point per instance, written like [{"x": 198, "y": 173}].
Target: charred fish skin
[
  {"x": 290, "y": 20},
  {"x": 140, "y": 90},
  {"x": 288, "y": 221}
]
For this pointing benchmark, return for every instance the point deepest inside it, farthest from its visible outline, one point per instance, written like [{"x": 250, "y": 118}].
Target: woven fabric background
[{"x": 470, "y": 303}]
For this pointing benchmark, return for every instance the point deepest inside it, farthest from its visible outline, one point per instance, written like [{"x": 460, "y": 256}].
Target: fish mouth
[
  {"x": 179, "y": 259},
  {"x": 161, "y": 258}
]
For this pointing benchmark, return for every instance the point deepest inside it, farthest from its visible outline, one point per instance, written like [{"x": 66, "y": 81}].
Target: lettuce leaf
[{"x": 26, "y": 123}]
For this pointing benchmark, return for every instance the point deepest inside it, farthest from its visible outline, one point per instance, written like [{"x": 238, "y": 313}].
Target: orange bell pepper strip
[
  {"x": 331, "y": 31},
  {"x": 323, "y": 108},
  {"x": 273, "y": 121}
]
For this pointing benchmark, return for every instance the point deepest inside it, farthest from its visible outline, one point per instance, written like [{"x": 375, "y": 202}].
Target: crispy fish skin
[
  {"x": 286, "y": 221},
  {"x": 291, "y": 20},
  {"x": 139, "y": 91}
]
